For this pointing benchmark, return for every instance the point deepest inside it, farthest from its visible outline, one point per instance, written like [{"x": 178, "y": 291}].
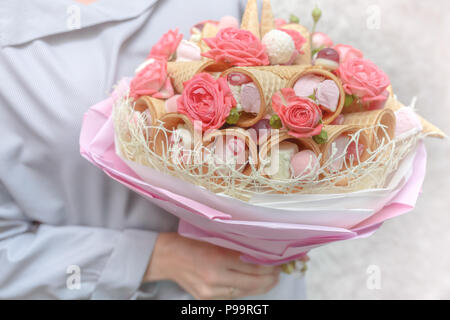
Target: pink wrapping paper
[{"x": 260, "y": 241}]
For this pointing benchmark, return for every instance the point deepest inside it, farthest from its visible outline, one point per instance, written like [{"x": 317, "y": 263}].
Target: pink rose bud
[
  {"x": 321, "y": 40},
  {"x": 328, "y": 58},
  {"x": 238, "y": 79}
]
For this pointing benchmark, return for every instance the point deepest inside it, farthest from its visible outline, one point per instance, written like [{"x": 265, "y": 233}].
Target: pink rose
[
  {"x": 298, "y": 39},
  {"x": 321, "y": 40},
  {"x": 279, "y": 23},
  {"x": 237, "y": 48},
  {"x": 300, "y": 115},
  {"x": 207, "y": 100},
  {"x": 152, "y": 81},
  {"x": 347, "y": 52},
  {"x": 363, "y": 79},
  {"x": 167, "y": 45}
]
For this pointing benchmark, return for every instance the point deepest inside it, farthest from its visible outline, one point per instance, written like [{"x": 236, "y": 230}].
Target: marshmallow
[
  {"x": 171, "y": 104},
  {"x": 280, "y": 161},
  {"x": 304, "y": 163},
  {"x": 327, "y": 95},
  {"x": 188, "y": 51},
  {"x": 228, "y": 22},
  {"x": 337, "y": 150},
  {"x": 307, "y": 85},
  {"x": 250, "y": 98}
]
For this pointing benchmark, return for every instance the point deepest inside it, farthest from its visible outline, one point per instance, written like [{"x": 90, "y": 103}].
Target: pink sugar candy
[
  {"x": 306, "y": 85},
  {"x": 250, "y": 98},
  {"x": 304, "y": 163},
  {"x": 328, "y": 95}
]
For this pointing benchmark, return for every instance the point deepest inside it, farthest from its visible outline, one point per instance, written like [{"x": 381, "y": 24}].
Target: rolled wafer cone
[
  {"x": 268, "y": 80},
  {"x": 250, "y": 19},
  {"x": 368, "y": 119},
  {"x": 241, "y": 134},
  {"x": 328, "y": 117},
  {"x": 267, "y": 19},
  {"x": 335, "y": 132},
  {"x": 210, "y": 30},
  {"x": 170, "y": 121},
  {"x": 183, "y": 71},
  {"x": 156, "y": 107},
  {"x": 427, "y": 127},
  {"x": 306, "y": 57},
  {"x": 280, "y": 136}
]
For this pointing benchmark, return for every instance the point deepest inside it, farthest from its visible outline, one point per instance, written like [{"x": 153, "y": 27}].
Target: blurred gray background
[{"x": 409, "y": 40}]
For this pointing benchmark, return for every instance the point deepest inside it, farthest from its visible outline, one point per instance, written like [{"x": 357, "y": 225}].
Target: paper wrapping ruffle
[{"x": 263, "y": 234}]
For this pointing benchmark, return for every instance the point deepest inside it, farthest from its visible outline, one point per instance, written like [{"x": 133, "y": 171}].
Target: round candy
[{"x": 328, "y": 58}]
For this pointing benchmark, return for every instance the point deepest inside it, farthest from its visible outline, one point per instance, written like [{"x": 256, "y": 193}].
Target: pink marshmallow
[
  {"x": 250, "y": 98},
  {"x": 354, "y": 152},
  {"x": 327, "y": 95},
  {"x": 237, "y": 79},
  {"x": 306, "y": 85},
  {"x": 188, "y": 51},
  {"x": 340, "y": 143},
  {"x": 304, "y": 163},
  {"x": 171, "y": 104},
  {"x": 228, "y": 22},
  {"x": 228, "y": 148}
]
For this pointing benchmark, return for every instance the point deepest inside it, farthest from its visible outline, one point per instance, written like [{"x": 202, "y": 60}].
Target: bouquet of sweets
[{"x": 262, "y": 137}]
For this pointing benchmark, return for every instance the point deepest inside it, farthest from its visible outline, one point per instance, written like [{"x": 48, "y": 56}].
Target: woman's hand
[{"x": 207, "y": 271}]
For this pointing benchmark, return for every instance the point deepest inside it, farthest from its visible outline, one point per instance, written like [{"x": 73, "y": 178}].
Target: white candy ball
[{"x": 279, "y": 46}]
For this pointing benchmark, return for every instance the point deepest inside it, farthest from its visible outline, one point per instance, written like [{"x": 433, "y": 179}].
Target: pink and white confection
[
  {"x": 307, "y": 85},
  {"x": 237, "y": 79},
  {"x": 188, "y": 51},
  {"x": 171, "y": 105},
  {"x": 407, "y": 121},
  {"x": 336, "y": 152},
  {"x": 304, "y": 163},
  {"x": 228, "y": 22},
  {"x": 327, "y": 58},
  {"x": 327, "y": 95},
  {"x": 250, "y": 98},
  {"x": 181, "y": 142},
  {"x": 230, "y": 151},
  {"x": 279, "y": 167},
  {"x": 260, "y": 131},
  {"x": 354, "y": 153}
]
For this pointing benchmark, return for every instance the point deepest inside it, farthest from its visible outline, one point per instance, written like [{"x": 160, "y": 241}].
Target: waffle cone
[
  {"x": 368, "y": 119},
  {"x": 328, "y": 117},
  {"x": 241, "y": 134},
  {"x": 306, "y": 57},
  {"x": 170, "y": 122},
  {"x": 427, "y": 128},
  {"x": 268, "y": 80},
  {"x": 210, "y": 30},
  {"x": 277, "y": 138},
  {"x": 183, "y": 71},
  {"x": 155, "y": 106},
  {"x": 250, "y": 19},
  {"x": 267, "y": 20},
  {"x": 335, "y": 132}
]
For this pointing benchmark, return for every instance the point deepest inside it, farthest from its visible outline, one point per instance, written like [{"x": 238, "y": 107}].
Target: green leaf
[
  {"x": 233, "y": 117},
  {"x": 275, "y": 122},
  {"x": 321, "y": 138},
  {"x": 313, "y": 97},
  {"x": 348, "y": 100}
]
